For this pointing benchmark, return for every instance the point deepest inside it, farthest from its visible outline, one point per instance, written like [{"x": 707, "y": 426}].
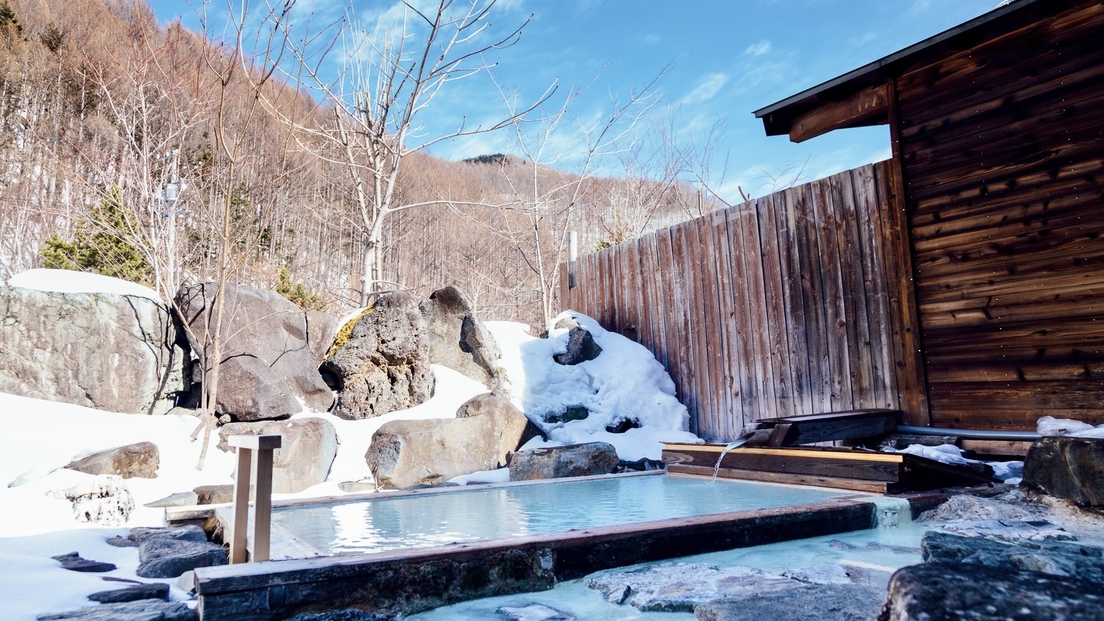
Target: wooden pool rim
[{"x": 412, "y": 580}]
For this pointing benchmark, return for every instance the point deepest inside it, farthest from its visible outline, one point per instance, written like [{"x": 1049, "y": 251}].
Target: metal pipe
[{"x": 971, "y": 434}]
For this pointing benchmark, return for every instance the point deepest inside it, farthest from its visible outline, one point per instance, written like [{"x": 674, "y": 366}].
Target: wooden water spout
[{"x": 254, "y": 456}]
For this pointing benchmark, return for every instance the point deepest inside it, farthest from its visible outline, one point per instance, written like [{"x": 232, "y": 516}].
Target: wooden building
[{"x": 997, "y": 178}]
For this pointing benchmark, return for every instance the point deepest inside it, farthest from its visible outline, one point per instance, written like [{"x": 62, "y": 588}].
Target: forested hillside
[{"x": 156, "y": 154}]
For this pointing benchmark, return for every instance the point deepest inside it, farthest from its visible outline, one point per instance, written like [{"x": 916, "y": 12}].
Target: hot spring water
[{"x": 500, "y": 512}]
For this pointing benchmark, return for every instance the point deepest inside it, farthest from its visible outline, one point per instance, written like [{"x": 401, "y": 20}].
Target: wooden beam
[
  {"x": 858, "y": 485},
  {"x": 905, "y": 338},
  {"x": 866, "y": 107}
]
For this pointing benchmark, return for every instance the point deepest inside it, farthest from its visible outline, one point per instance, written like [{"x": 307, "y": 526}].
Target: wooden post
[
  {"x": 241, "y": 506},
  {"x": 572, "y": 258},
  {"x": 254, "y": 454}
]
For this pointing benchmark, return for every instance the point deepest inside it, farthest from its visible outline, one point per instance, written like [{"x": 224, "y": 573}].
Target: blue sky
[{"x": 725, "y": 59}]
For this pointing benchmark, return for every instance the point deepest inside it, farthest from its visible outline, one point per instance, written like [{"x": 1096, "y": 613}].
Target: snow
[
  {"x": 69, "y": 281},
  {"x": 1050, "y": 426},
  {"x": 624, "y": 382},
  {"x": 1007, "y": 471}
]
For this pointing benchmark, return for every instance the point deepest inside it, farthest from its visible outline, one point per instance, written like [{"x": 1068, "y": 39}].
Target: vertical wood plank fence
[{"x": 776, "y": 307}]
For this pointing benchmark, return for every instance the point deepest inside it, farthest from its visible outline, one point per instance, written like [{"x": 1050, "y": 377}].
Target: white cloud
[
  {"x": 758, "y": 49},
  {"x": 706, "y": 89}
]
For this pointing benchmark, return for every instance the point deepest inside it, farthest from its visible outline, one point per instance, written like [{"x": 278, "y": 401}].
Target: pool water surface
[{"x": 506, "y": 511}]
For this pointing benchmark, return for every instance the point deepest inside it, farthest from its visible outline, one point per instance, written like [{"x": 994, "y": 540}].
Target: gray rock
[
  {"x": 109, "y": 352},
  {"x": 931, "y": 591},
  {"x": 306, "y": 453},
  {"x": 121, "y": 542},
  {"x": 680, "y": 587},
  {"x": 165, "y": 557},
  {"x": 249, "y": 390},
  {"x": 457, "y": 339},
  {"x": 321, "y": 330},
  {"x": 191, "y": 532},
  {"x": 265, "y": 325},
  {"x": 155, "y": 590},
  {"x": 142, "y": 610},
  {"x": 405, "y": 453},
  {"x": 815, "y": 602},
  {"x": 140, "y": 459},
  {"x": 385, "y": 364},
  {"x": 214, "y": 494},
  {"x": 575, "y": 460},
  {"x": 580, "y": 348},
  {"x": 968, "y": 508},
  {"x": 574, "y": 412},
  {"x": 73, "y": 562},
  {"x": 1009, "y": 530},
  {"x": 1058, "y": 558},
  {"x": 1068, "y": 468}
]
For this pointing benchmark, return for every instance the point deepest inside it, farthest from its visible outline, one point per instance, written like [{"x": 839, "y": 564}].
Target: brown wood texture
[
  {"x": 862, "y": 108},
  {"x": 795, "y": 461},
  {"x": 777, "y": 307},
  {"x": 1003, "y": 159},
  {"x": 858, "y": 485},
  {"x": 909, "y": 471}
]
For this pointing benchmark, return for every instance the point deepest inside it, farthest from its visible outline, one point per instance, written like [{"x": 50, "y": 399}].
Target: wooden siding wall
[
  {"x": 776, "y": 307},
  {"x": 1003, "y": 164}
]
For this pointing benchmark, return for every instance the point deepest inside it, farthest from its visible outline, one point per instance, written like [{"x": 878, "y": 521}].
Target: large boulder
[
  {"x": 405, "y": 453},
  {"x": 982, "y": 593},
  {"x": 140, "y": 459},
  {"x": 574, "y": 460},
  {"x": 168, "y": 554},
  {"x": 119, "y": 353},
  {"x": 1057, "y": 558},
  {"x": 1067, "y": 467},
  {"x": 457, "y": 339},
  {"x": 306, "y": 452},
  {"x": 249, "y": 390},
  {"x": 262, "y": 324},
  {"x": 385, "y": 364}
]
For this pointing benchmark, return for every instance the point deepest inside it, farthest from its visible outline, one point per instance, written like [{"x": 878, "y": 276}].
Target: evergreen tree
[
  {"x": 101, "y": 244},
  {"x": 297, "y": 293}
]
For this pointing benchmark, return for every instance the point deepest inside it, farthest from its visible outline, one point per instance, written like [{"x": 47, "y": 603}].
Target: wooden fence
[{"x": 776, "y": 307}]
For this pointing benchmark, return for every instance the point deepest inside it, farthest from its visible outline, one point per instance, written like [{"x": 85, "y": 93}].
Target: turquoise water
[
  {"x": 881, "y": 550},
  {"x": 506, "y": 511}
]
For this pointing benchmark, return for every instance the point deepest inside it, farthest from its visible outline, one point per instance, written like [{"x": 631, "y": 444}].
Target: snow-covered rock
[
  {"x": 108, "y": 351},
  {"x": 627, "y": 396}
]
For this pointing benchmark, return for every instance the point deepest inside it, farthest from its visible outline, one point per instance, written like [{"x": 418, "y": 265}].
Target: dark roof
[{"x": 779, "y": 117}]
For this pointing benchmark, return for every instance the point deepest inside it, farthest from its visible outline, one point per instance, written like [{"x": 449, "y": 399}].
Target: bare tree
[
  {"x": 244, "y": 184},
  {"x": 390, "y": 76},
  {"x": 550, "y": 202}
]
